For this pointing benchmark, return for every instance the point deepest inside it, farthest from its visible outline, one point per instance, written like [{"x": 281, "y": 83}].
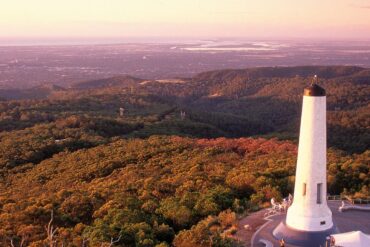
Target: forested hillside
[
  {"x": 231, "y": 103},
  {"x": 170, "y": 162}
]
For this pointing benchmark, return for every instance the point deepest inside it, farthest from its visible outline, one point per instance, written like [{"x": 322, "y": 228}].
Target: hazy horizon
[
  {"x": 95, "y": 21},
  {"x": 67, "y": 41}
]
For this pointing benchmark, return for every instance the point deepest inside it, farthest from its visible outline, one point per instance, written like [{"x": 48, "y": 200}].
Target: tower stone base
[{"x": 302, "y": 238}]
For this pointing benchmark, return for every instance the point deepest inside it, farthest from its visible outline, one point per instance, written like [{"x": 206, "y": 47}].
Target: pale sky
[{"x": 332, "y": 19}]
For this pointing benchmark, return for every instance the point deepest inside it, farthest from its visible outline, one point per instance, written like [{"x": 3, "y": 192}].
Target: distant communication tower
[
  {"x": 121, "y": 111},
  {"x": 182, "y": 115}
]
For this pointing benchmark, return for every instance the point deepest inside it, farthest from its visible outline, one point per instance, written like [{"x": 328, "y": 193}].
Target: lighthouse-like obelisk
[{"x": 309, "y": 219}]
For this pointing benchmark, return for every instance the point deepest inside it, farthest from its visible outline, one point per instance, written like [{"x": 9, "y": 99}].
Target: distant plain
[{"x": 25, "y": 66}]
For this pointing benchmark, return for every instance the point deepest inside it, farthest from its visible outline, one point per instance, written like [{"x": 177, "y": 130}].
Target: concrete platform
[
  {"x": 344, "y": 221},
  {"x": 302, "y": 238}
]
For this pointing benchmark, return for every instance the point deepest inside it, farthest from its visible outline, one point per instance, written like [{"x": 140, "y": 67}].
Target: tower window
[
  {"x": 319, "y": 192},
  {"x": 304, "y": 189}
]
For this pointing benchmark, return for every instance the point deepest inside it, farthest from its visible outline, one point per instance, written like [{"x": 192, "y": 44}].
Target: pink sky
[{"x": 326, "y": 19}]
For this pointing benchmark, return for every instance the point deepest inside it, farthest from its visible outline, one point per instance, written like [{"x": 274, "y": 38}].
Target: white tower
[
  {"x": 309, "y": 219},
  {"x": 309, "y": 211}
]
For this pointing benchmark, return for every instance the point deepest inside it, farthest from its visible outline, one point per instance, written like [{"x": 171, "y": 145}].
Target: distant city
[{"x": 24, "y": 65}]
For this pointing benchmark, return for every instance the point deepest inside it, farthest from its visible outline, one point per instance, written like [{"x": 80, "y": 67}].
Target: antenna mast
[{"x": 314, "y": 80}]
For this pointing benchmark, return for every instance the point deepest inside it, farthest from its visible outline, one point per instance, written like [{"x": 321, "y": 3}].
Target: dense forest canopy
[{"x": 170, "y": 162}]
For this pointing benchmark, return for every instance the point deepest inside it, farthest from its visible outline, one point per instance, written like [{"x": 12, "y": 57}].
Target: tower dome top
[{"x": 314, "y": 89}]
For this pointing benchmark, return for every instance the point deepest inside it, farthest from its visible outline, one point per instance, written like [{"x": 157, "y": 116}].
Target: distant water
[{"x": 211, "y": 42}]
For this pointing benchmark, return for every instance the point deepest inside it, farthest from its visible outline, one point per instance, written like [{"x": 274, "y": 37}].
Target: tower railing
[{"x": 348, "y": 198}]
